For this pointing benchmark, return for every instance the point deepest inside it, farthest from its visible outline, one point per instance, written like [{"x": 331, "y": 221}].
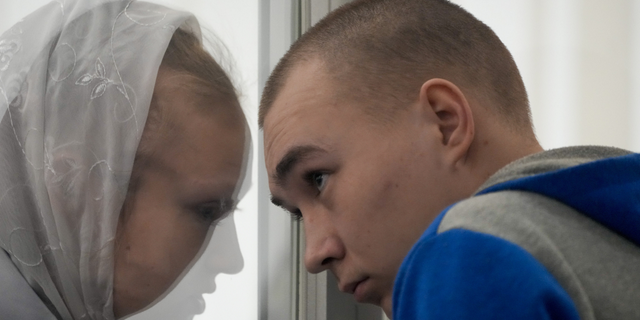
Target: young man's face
[{"x": 366, "y": 192}]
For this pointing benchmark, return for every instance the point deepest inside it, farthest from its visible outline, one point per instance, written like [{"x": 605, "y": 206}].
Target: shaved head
[{"x": 382, "y": 51}]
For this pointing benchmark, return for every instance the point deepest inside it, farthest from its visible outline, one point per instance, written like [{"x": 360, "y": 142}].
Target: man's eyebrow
[{"x": 291, "y": 159}]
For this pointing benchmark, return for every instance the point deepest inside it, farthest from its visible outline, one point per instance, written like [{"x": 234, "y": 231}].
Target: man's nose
[{"x": 323, "y": 245}]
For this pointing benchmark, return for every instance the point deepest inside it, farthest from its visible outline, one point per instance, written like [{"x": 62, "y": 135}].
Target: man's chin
[{"x": 386, "y": 307}]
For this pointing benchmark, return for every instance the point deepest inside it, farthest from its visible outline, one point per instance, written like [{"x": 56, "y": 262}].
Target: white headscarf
[{"x": 76, "y": 80}]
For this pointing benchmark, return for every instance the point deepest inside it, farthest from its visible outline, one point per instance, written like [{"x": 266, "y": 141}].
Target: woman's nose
[{"x": 225, "y": 255}]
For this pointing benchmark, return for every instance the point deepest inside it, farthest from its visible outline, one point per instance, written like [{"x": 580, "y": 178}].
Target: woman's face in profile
[{"x": 186, "y": 185}]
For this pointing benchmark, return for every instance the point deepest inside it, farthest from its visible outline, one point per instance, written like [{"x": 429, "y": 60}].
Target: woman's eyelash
[{"x": 212, "y": 212}]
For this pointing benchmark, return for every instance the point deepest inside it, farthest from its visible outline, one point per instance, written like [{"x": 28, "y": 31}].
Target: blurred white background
[{"x": 580, "y": 60}]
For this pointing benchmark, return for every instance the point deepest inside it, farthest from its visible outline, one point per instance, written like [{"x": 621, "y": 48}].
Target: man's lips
[{"x": 352, "y": 287}]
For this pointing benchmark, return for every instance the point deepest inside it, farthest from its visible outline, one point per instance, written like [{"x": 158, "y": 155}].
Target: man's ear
[{"x": 452, "y": 114}]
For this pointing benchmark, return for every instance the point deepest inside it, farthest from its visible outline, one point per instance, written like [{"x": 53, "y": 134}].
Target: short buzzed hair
[{"x": 391, "y": 47}]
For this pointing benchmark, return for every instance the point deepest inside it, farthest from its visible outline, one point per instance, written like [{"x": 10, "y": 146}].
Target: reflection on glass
[
  {"x": 222, "y": 255},
  {"x": 122, "y": 145}
]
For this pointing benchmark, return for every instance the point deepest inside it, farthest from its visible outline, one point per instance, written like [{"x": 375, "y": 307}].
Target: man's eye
[{"x": 319, "y": 180}]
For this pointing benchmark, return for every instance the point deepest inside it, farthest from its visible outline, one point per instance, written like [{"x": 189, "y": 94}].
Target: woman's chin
[{"x": 199, "y": 305}]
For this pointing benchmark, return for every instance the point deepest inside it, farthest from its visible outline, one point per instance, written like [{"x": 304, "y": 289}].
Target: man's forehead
[
  {"x": 304, "y": 100},
  {"x": 307, "y": 80}
]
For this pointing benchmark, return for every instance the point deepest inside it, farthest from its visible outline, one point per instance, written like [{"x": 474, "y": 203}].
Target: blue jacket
[{"x": 552, "y": 236}]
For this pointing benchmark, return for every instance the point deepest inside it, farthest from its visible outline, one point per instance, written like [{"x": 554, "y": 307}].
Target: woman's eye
[
  {"x": 214, "y": 211},
  {"x": 319, "y": 180}
]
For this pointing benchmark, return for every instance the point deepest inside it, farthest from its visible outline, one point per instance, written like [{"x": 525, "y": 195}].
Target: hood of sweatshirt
[{"x": 602, "y": 183}]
